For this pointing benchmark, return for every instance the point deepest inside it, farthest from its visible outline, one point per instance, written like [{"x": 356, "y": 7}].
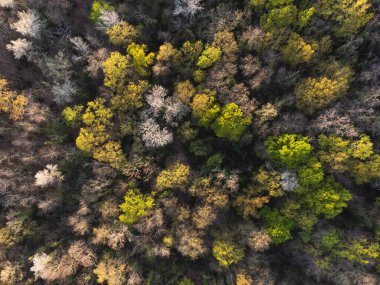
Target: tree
[
  {"x": 116, "y": 69},
  {"x": 208, "y": 57},
  {"x": 334, "y": 152},
  {"x": 311, "y": 175},
  {"x": 107, "y": 19},
  {"x": 12, "y": 103},
  {"x": 278, "y": 18},
  {"x": 231, "y": 123},
  {"x": 265, "y": 185},
  {"x": 110, "y": 153},
  {"x": 49, "y": 176},
  {"x": 19, "y": 47},
  {"x": 130, "y": 96},
  {"x": 73, "y": 115},
  {"x": 186, "y": 58},
  {"x": 329, "y": 198},
  {"x": 135, "y": 206},
  {"x": 140, "y": 60},
  {"x": 278, "y": 226},
  {"x": 289, "y": 149},
  {"x": 190, "y": 243},
  {"x": 153, "y": 135},
  {"x": 177, "y": 176},
  {"x": 313, "y": 94},
  {"x": 187, "y": 8},
  {"x": 99, "y": 6},
  {"x": 28, "y": 24},
  {"x": 297, "y": 50},
  {"x": 226, "y": 252},
  {"x": 185, "y": 91},
  {"x": 122, "y": 34},
  {"x": 64, "y": 92},
  {"x": 350, "y": 16},
  {"x": 7, "y": 3},
  {"x": 111, "y": 270},
  {"x": 204, "y": 108}
]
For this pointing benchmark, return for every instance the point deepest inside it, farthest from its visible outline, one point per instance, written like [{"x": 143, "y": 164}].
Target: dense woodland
[{"x": 183, "y": 142}]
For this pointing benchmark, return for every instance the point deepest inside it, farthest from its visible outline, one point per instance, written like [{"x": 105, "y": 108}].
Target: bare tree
[{"x": 187, "y": 8}]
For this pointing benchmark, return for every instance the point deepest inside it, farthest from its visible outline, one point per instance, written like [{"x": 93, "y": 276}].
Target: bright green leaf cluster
[{"x": 135, "y": 206}]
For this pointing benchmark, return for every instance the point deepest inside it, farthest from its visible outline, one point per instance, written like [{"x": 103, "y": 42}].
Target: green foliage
[
  {"x": 231, "y": 123},
  {"x": 204, "y": 108},
  {"x": 278, "y": 226},
  {"x": 329, "y": 199},
  {"x": 135, "y": 206},
  {"x": 140, "y": 59},
  {"x": 186, "y": 58},
  {"x": 186, "y": 281},
  {"x": 330, "y": 240},
  {"x": 297, "y": 50},
  {"x": 357, "y": 157},
  {"x": 350, "y": 15},
  {"x": 209, "y": 56},
  {"x": 290, "y": 150},
  {"x": 214, "y": 161},
  {"x": 311, "y": 175},
  {"x": 226, "y": 253},
  {"x": 304, "y": 17},
  {"x": 278, "y": 18},
  {"x": 73, "y": 115},
  {"x": 360, "y": 251},
  {"x": 97, "y": 7}
]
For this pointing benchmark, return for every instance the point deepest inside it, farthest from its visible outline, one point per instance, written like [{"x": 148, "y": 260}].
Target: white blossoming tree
[
  {"x": 19, "y": 47},
  {"x": 7, "y": 3},
  {"x": 29, "y": 24},
  {"x": 48, "y": 176},
  {"x": 152, "y": 135}
]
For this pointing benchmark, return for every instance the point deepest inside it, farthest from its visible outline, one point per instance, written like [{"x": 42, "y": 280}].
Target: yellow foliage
[
  {"x": 175, "y": 177},
  {"x": 11, "y": 103}
]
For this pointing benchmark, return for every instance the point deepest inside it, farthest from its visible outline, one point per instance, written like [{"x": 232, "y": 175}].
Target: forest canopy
[{"x": 189, "y": 142}]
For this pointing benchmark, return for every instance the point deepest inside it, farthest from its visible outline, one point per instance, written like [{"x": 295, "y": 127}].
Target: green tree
[
  {"x": 209, "y": 56},
  {"x": 329, "y": 199},
  {"x": 135, "y": 206},
  {"x": 311, "y": 175},
  {"x": 297, "y": 50},
  {"x": 289, "y": 149},
  {"x": 99, "y": 6},
  {"x": 350, "y": 15},
  {"x": 226, "y": 252},
  {"x": 278, "y": 18},
  {"x": 204, "y": 107},
  {"x": 141, "y": 60},
  {"x": 278, "y": 226},
  {"x": 73, "y": 115},
  {"x": 231, "y": 123}
]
